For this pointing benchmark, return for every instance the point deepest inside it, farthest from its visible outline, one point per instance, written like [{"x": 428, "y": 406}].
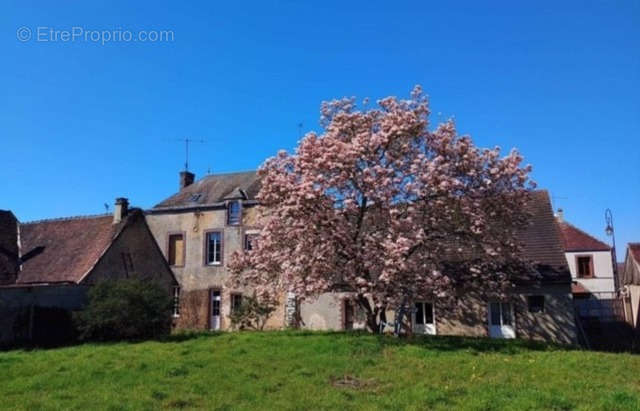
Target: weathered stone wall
[
  {"x": 148, "y": 262},
  {"x": 17, "y": 305},
  {"x": 468, "y": 316},
  {"x": 196, "y": 278},
  {"x": 556, "y": 323},
  {"x": 195, "y": 311}
]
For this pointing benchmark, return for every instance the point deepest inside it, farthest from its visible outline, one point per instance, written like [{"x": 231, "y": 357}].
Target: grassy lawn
[{"x": 297, "y": 370}]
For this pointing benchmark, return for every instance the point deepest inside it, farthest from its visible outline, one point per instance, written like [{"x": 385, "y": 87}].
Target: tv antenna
[{"x": 186, "y": 141}]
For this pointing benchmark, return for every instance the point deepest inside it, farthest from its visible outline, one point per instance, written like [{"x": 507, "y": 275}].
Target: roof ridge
[
  {"x": 70, "y": 218},
  {"x": 230, "y": 173}
]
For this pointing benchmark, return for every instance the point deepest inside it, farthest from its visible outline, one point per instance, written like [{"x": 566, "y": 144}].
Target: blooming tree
[{"x": 386, "y": 208}]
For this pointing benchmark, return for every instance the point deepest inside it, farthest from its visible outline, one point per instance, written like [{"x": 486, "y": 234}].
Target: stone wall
[
  {"x": 20, "y": 307},
  {"x": 468, "y": 316},
  {"x": 148, "y": 262},
  {"x": 196, "y": 278}
]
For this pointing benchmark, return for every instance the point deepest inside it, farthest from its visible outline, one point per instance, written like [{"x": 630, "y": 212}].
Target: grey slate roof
[
  {"x": 215, "y": 189},
  {"x": 542, "y": 240}
]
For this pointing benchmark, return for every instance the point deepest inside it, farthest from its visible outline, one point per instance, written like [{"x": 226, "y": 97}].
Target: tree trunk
[{"x": 372, "y": 322}]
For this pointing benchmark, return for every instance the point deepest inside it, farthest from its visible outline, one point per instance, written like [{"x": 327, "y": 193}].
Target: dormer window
[{"x": 234, "y": 212}]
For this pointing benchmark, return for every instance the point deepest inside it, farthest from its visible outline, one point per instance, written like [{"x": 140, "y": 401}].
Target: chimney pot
[
  {"x": 120, "y": 210},
  {"x": 186, "y": 179}
]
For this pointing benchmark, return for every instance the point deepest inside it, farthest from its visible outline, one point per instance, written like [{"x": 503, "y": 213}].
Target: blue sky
[{"x": 83, "y": 122}]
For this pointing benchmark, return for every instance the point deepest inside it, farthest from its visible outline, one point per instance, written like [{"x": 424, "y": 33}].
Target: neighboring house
[
  {"x": 630, "y": 281},
  {"x": 198, "y": 229},
  {"x": 50, "y": 264},
  {"x": 590, "y": 261},
  {"x": 539, "y": 309}
]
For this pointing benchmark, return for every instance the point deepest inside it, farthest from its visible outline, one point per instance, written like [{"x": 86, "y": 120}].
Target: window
[
  {"x": 234, "y": 213},
  {"x": 176, "y": 301},
  {"x": 424, "y": 313},
  {"x": 127, "y": 262},
  {"x": 536, "y": 303},
  {"x": 584, "y": 266},
  {"x": 213, "y": 250},
  {"x": 176, "y": 250},
  {"x": 250, "y": 241},
  {"x": 236, "y": 302},
  {"x": 500, "y": 314}
]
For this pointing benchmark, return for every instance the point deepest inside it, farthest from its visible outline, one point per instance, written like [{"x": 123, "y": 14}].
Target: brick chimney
[
  {"x": 120, "y": 210},
  {"x": 186, "y": 179},
  {"x": 9, "y": 250}
]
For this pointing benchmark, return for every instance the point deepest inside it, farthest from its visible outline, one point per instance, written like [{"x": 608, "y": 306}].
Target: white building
[{"x": 590, "y": 262}]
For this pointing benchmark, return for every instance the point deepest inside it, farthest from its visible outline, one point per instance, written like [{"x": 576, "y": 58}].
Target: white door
[
  {"x": 424, "y": 319},
  {"x": 215, "y": 309},
  {"x": 501, "y": 320}
]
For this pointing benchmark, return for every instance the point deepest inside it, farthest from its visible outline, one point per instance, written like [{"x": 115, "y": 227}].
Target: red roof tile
[
  {"x": 575, "y": 239},
  {"x": 72, "y": 246},
  {"x": 577, "y": 288}
]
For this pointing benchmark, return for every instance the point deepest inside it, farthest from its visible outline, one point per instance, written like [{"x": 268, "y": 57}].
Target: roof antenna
[
  {"x": 106, "y": 208},
  {"x": 299, "y": 130},
  {"x": 188, "y": 140}
]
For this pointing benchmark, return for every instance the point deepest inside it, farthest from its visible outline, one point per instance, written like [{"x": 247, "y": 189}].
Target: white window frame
[{"x": 207, "y": 242}]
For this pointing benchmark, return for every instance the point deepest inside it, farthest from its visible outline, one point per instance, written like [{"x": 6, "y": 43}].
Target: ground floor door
[
  {"x": 214, "y": 323},
  {"x": 501, "y": 320},
  {"x": 424, "y": 319},
  {"x": 349, "y": 312}
]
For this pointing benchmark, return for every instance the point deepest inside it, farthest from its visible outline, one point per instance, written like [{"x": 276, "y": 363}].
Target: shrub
[
  {"x": 125, "y": 309},
  {"x": 253, "y": 313}
]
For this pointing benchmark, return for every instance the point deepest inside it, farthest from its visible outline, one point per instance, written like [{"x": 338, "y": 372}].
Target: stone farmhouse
[
  {"x": 46, "y": 267},
  {"x": 206, "y": 221},
  {"x": 198, "y": 230}
]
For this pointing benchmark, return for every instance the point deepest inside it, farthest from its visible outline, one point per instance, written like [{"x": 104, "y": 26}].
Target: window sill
[{"x": 213, "y": 264}]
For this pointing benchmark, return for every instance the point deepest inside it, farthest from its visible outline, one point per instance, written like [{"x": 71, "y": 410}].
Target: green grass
[{"x": 298, "y": 370}]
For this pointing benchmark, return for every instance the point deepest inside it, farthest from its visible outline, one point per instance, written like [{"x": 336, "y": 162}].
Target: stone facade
[
  {"x": 197, "y": 278},
  {"x": 148, "y": 263},
  {"x": 468, "y": 316}
]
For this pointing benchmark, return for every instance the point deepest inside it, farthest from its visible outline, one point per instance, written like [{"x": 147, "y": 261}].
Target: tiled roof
[
  {"x": 214, "y": 189},
  {"x": 574, "y": 239},
  {"x": 541, "y": 240},
  {"x": 577, "y": 288},
  {"x": 72, "y": 246}
]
